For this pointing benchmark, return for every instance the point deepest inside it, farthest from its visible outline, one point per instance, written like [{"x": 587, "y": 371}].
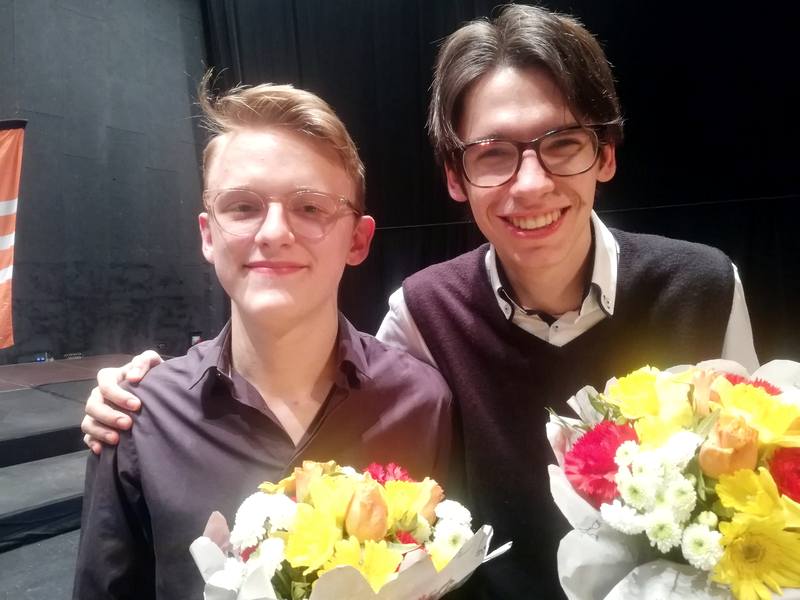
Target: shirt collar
[
  {"x": 215, "y": 355},
  {"x": 604, "y": 271}
]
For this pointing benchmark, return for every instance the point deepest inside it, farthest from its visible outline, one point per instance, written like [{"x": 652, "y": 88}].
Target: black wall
[
  {"x": 712, "y": 131},
  {"x": 107, "y": 250}
]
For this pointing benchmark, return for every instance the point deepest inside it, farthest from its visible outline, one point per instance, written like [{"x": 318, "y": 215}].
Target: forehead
[
  {"x": 275, "y": 160},
  {"x": 513, "y": 103}
]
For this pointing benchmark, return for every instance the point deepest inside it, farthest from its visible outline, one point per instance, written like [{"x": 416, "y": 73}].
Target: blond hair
[{"x": 281, "y": 106}]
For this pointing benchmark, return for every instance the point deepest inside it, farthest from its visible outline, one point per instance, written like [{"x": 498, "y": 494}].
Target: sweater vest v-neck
[{"x": 673, "y": 301}]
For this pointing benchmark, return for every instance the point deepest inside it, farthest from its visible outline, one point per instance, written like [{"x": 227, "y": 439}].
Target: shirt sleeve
[
  {"x": 115, "y": 553},
  {"x": 398, "y": 329},
  {"x": 738, "y": 344}
]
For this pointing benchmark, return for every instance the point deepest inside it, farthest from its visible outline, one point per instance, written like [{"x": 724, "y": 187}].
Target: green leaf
[{"x": 706, "y": 424}]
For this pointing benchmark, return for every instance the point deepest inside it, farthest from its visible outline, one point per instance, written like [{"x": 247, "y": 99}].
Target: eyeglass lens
[
  {"x": 566, "y": 152},
  {"x": 308, "y": 214}
]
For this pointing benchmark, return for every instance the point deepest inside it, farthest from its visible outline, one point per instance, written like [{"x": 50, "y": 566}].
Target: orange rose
[
  {"x": 704, "y": 397},
  {"x": 310, "y": 471},
  {"x": 731, "y": 445},
  {"x": 368, "y": 514}
]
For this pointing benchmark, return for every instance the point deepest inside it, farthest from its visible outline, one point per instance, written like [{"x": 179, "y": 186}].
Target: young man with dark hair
[{"x": 525, "y": 120}]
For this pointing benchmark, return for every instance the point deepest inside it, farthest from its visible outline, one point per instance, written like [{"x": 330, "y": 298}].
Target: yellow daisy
[{"x": 759, "y": 556}]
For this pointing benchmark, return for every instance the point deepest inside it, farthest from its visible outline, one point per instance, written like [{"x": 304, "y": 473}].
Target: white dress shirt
[{"x": 399, "y": 329}]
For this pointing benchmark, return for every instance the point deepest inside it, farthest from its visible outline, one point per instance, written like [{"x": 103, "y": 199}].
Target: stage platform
[{"x": 42, "y": 465}]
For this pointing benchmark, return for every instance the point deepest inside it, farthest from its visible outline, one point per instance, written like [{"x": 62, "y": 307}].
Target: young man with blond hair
[
  {"x": 287, "y": 379},
  {"x": 525, "y": 119}
]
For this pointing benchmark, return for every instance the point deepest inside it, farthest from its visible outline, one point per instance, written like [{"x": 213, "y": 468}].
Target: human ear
[
  {"x": 455, "y": 183},
  {"x": 203, "y": 221},
  {"x": 361, "y": 240},
  {"x": 608, "y": 163}
]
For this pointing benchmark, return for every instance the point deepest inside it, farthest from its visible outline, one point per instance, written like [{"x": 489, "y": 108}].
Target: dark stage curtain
[{"x": 711, "y": 135}]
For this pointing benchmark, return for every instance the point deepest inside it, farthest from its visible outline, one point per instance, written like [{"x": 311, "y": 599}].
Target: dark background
[{"x": 107, "y": 251}]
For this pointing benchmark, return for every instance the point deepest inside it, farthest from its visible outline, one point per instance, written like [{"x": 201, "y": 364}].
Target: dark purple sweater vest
[{"x": 673, "y": 301}]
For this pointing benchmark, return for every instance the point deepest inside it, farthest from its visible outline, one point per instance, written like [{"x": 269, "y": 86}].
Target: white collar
[{"x": 604, "y": 271}]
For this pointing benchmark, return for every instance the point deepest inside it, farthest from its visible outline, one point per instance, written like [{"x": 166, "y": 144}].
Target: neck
[
  {"x": 282, "y": 359},
  {"x": 552, "y": 289}
]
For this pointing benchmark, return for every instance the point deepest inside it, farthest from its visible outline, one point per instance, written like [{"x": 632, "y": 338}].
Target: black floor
[{"x": 42, "y": 464}]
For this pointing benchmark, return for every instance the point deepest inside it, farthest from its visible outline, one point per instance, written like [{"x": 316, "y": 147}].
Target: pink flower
[
  {"x": 759, "y": 383},
  {"x": 390, "y": 472},
  {"x": 589, "y": 465}
]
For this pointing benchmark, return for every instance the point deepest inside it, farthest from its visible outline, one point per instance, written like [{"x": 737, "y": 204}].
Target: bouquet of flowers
[
  {"x": 329, "y": 532},
  {"x": 681, "y": 483}
]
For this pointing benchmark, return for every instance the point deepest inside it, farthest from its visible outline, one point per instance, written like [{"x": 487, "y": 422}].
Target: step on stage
[{"x": 42, "y": 462}]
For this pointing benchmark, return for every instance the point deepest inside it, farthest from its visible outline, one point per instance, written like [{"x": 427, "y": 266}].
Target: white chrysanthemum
[
  {"x": 638, "y": 491},
  {"x": 451, "y": 534},
  {"x": 626, "y": 453},
  {"x": 257, "y": 512},
  {"x": 662, "y": 530},
  {"x": 622, "y": 518},
  {"x": 422, "y": 532},
  {"x": 650, "y": 464},
  {"x": 351, "y": 472},
  {"x": 708, "y": 518},
  {"x": 681, "y": 497},
  {"x": 680, "y": 448},
  {"x": 230, "y": 577},
  {"x": 701, "y": 547},
  {"x": 450, "y": 510},
  {"x": 269, "y": 555}
]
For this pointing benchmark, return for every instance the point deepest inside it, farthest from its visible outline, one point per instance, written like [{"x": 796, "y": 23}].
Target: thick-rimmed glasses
[
  {"x": 567, "y": 151},
  {"x": 309, "y": 214}
]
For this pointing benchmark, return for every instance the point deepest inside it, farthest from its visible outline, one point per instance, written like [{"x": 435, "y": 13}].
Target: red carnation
[
  {"x": 785, "y": 469},
  {"x": 759, "y": 383},
  {"x": 590, "y": 466},
  {"x": 390, "y": 472},
  {"x": 404, "y": 537}
]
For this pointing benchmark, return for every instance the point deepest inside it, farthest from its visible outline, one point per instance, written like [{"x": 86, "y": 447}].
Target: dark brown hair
[{"x": 523, "y": 37}]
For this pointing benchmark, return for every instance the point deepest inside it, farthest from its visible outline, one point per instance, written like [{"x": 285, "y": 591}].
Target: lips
[
  {"x": 275, "y": 267},
  {"x": 531, "y": 223}
]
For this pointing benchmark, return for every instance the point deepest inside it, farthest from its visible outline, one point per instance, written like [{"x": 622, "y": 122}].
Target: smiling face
[
  {"x": 274, "y": 272},
  {"x": 536, "y": 221}
]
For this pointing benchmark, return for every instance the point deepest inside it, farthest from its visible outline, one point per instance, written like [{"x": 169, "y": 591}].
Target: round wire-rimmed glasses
[
  {"x": 563, "y": 152},
  {"x": 309, "y": 213}
]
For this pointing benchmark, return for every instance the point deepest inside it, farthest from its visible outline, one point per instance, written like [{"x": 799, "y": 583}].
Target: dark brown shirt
[{"x": 203, "y": 441}]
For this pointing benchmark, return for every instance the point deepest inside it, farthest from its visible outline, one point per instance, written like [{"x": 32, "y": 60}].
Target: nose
[
  {"x": 531, "y": 178},
  {"x": 275, "y": 230}
]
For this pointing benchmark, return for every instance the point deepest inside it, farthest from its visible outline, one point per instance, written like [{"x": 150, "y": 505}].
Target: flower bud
[
  {"x": 731, "y": 445},
  {"x": 368, "y": 514},
  {"x": 435, "y": 495}
]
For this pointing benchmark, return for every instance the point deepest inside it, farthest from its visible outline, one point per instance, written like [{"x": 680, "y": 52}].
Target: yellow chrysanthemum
[
  {"x": 757, "y": 495},
  {"x": 769, "y": 415},
  {"x": 635, "y": 394},
  {"x": 406, "y": 499},
  {"x": 759, "y": 556},
  {"x": 331, "y": 494},
  {"x": 657, "y": 402},
  {"x": 311, "y": 538},
  {"x": 376, "y": 561}
]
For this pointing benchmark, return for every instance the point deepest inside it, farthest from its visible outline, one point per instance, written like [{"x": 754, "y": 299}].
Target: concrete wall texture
[{"x": 107, "y": 249}]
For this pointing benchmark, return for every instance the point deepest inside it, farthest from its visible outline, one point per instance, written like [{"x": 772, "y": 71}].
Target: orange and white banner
[{"x": 11, "y": 137}]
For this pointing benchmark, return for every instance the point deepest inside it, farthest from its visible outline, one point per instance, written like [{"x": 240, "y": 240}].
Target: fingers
[
  {"x": 97, "y": 434},
  {"x": 93, "y": 444},
  {"x": 108, "y": 390},
  {"x": 141, "y": 364},
  {"x": 104, "y": 413}
]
